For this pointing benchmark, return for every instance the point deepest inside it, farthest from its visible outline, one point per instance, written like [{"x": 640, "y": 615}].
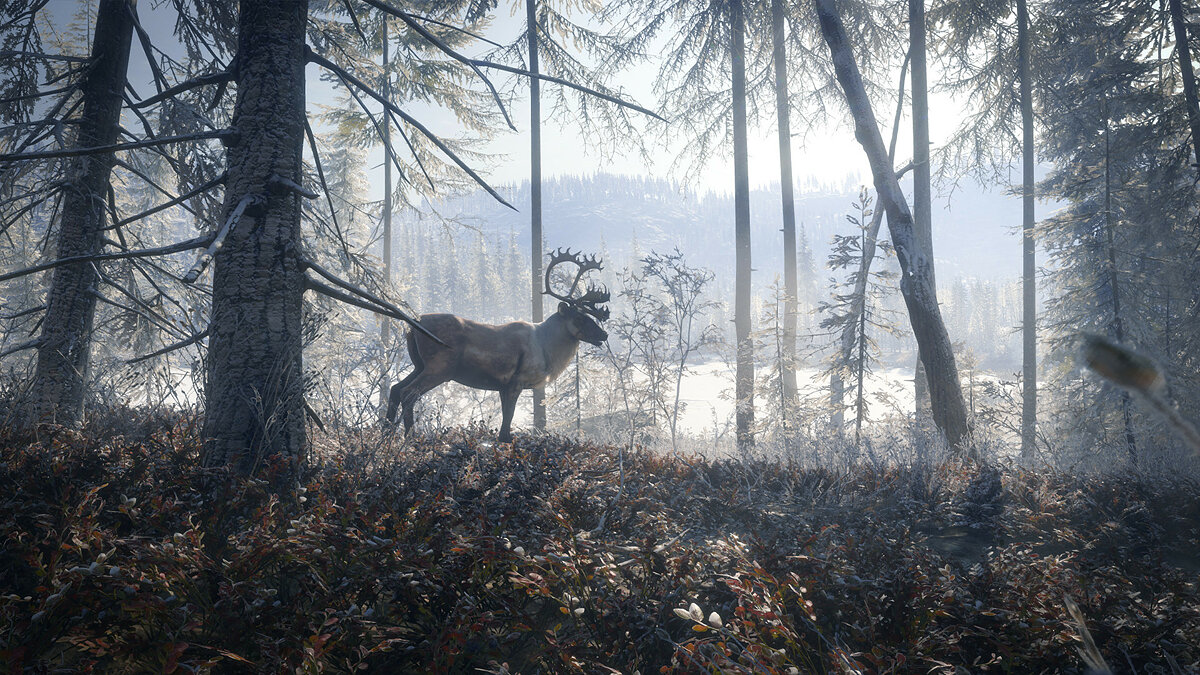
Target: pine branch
[
  {"x": 148, "y": 49},
  {"x": 222, "y": 134},
  {"x": 379, "y": 302},
  {"x": 44, "y": 57},
  {"x": 219, "y": 239},
  {"x": 446, "y": 49},
  {"x": 460, "y": 29},
  {"x": 351, "y": 79},
  {"x": 196, "y": 82},
  {"x": 36, "y": 94},
  {"x": 277, "y": 181},
  {"x": 171, "y": 347},
  {"x": 25, "y": 312},
  {"x": 147, "y": 314}
]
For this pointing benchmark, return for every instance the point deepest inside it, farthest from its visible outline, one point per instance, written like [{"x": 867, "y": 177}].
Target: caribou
[{"x": 508, "y": 358}]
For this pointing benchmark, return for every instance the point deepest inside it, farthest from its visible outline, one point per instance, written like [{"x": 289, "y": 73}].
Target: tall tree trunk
[
  {"x": 861, "y": 364},
  {"x": 744, "y": 381},
  {"x": 385, "y": 331},
  {"x": 1028, "y": 277},
  {"x": 65, "y": 343},
  {"x": 535, "y": 193},
  {"x": 922, "y": 199},
  {"x": 255, "y": 372},
  {"x": 1118, "y": 327},
  {"x": 920, "y": 295},
  {"x": 1185, "y": 71},
  {"x": 788, "y": 372}
]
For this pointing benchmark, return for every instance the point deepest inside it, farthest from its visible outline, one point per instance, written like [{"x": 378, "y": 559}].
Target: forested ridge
[{"x": 269, "y": 282}]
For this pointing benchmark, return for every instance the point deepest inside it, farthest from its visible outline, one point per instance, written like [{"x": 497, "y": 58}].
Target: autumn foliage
[{"x": 454, "y": 554}]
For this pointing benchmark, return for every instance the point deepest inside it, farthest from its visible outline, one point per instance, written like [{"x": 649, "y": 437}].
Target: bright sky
[{"x": 827, "y": 155}]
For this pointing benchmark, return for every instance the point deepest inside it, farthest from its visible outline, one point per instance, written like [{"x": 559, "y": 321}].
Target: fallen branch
[
  {"x": 347, "y": 77},
  {"x": 219, "y": 239},
  {"x": 171, "y": 347},
  {"x": 392, "y": 310},
  {"x": 116, "y": 147},
  {"x": 201, "y": 81}
]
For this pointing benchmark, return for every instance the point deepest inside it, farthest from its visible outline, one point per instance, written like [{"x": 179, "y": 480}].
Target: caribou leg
[
  {"x": 397, "y": 391},
  {"x": 508, "y": 406}
]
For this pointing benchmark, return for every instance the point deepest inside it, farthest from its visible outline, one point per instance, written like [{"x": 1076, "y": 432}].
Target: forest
[{"x": 555, "y": 336}]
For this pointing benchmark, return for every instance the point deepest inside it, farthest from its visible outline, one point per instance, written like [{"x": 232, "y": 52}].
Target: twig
[
  {"x": 371, "y": 297},
  {"x": 446, "y": 49},
  {"x": 24, "y": 312},
  {"x": 219, "y": 239},
  {"x": 101, "y": 149},
  {"x": 36, "y": 94},
  {"x": 202, "y": 80},
  {"x": 460, "y": 29},
  {"x": 346, "y": 76},
  {"x": 141, "y": 253},
  {"x": 148, "y": 49},
  {"x": 171, "y": 347}
]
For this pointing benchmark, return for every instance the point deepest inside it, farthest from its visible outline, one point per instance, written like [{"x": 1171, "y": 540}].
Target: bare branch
[
  {"x": 446, "y": 49},
  {"x": 219, "y": 239},
  {"x": 147, "y": 314},
  {"x": 292, "y": 186},
  {"x": 36, "y": 94},
  {"x": 181, "y": 198},
  {"x": 171, "y": 347},
  {"x": 20, "y": 348},
  {"x": 44, "y": 57},
  {"x": 567, "y": 83},
  {"x": 347, "y": 77},
  {"x": 101, "y": 149},
  {"x": 379, "y": 302},
  {"x": 312, "y": 144},
  {"x": 148, "y": 49},
  {"x": 460, "y": 29},
  {"x": 201, "y": 81},
  {"x": 25, "y": 312},
  {"x": 141, "y": 253}
]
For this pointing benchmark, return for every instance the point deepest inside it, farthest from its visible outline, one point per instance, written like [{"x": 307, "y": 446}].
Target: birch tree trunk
[
  {"x": 744, "y": 380},
  {"x": 1028, "y": 276},
  {"x": 65, "y": 343},
  {"x": 916, "y": 285},
  {"x": 254, "y": 397}
]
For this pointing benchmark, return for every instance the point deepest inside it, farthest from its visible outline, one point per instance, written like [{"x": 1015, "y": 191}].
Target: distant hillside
[{"x": 974, "y": 233}]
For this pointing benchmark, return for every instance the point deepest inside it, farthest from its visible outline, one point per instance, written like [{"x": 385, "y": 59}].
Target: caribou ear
[{"x": 563, "y": 307}]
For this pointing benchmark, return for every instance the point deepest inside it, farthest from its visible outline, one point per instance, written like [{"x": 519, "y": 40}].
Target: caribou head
[{"x": 508, "y": 358}]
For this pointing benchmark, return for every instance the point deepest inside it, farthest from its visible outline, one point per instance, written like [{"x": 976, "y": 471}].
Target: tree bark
[
  {"x": 65, "y": 343},
  {"x": 788, "y": 369},
  {"x": 744, "y": 380},
  {"x": 255, "y": 407},
  {"x": 916, "y": 285},
  {"x": 1028, "y": 277},
  {"x": 922, "y": 199},
  {"x": 1185, "y": 71},
  {"x": 385, "y": 330},
  {"x": 535, "y": 194}
]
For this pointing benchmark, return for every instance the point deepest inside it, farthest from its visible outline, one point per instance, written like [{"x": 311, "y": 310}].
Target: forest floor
[{"x": 456, "y": 554}]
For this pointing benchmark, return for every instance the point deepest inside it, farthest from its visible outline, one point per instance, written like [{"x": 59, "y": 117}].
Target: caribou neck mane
[{"x": 558, "y": 344}]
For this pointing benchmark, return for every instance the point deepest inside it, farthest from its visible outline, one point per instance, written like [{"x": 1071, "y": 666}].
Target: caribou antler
[{"x": 588, "y": 301}]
